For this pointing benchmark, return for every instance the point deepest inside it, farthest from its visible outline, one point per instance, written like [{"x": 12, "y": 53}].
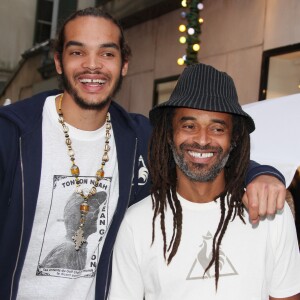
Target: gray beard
[{"x": 199, "y": 174}]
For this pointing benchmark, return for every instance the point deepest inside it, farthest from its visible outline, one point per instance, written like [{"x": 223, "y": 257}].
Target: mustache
[
  {"x": 196, "y": 146},
  {"x": 95, "y": 72}
]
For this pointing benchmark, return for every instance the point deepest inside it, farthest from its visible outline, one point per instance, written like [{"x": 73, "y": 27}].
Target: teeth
[
  {"x": 201, "y": 155},
  {"x": 87, "y": 80}
]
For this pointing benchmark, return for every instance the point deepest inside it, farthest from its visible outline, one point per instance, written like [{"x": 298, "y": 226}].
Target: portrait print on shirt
[{"x": 58, "y": 256}]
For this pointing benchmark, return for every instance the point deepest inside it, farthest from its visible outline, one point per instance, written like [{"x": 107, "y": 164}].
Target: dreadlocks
[{"x": 163, "y": 192}]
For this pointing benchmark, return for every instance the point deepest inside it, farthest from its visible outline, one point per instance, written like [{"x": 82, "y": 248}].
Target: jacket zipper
[
  {"x": 132, "y": 177},
  {"x": 22, "y": 230}
]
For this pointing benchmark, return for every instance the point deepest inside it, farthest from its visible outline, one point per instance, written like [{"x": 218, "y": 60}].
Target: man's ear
[
  {"x": 57, "y": 63},
  {"x": 124, "y": 68}
]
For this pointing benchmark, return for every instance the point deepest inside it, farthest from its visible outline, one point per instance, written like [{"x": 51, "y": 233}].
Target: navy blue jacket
[{"x": 20, "y": 171}]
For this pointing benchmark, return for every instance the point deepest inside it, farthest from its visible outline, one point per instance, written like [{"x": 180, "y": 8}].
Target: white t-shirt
[
  {"x": 255, "y": 261},
  {"x": 53, "y": 269}
]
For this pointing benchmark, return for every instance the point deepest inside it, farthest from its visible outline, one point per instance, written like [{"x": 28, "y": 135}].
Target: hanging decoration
[{"x": 191, "y": 31}]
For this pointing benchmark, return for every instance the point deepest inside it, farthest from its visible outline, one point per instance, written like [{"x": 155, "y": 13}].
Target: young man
[
  {"x": 71, "y": 163},
  {"x": 192, "y": 238}
]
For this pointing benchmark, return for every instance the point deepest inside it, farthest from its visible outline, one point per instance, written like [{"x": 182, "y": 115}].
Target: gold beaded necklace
[{"x": 78, "y": 238}]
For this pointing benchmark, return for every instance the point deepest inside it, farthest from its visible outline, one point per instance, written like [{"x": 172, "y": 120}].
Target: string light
[
  {"x": 183, "y": 14},
  {"x": 196, "y": 47},
  {"x": 182, "y": 28},
  {"x": 192, "y": 30},
  {"x": 180, "y": 61},
  {"x": 182, "y": 40},
  {"x": 200, "y": 6}
]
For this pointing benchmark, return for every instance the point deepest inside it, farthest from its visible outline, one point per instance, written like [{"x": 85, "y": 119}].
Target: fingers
[
  {"x": 252, "y": 208},
  {"x": 271, "y": 203},
  {"x": 281, "y": 198},
  {"x": 264, "y": 196},
  {"x": 275, "y": 198}
]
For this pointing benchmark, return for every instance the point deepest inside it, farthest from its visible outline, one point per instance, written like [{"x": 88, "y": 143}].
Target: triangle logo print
[{"x": 203, "y": 258}]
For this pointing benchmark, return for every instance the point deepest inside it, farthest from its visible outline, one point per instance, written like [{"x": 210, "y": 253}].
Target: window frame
[{"x": 267, "y": 55}]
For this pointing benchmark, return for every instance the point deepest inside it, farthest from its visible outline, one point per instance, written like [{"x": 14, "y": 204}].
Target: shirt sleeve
[
  {"x": 256, "y": 169},
  {"x": 286, "y": 273},
  {"x": 127, "y": 282}
]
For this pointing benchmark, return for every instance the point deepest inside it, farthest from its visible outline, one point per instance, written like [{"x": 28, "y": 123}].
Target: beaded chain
[{"x": 78, "y": 238}]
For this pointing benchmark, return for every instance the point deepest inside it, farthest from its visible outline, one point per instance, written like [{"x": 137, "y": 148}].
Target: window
[
  {"x": 280, "y": 74},
  {"x": 49, "y": 15},
  {"x": 163, "y": 89},
  {"x": 44, "y": 20}
]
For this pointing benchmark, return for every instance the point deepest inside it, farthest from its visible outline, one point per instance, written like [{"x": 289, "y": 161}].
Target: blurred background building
[{"x": 256, "y": 41}]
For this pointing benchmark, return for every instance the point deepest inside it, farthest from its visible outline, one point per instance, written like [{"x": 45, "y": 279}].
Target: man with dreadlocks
[{"x": 192, "y": 238}]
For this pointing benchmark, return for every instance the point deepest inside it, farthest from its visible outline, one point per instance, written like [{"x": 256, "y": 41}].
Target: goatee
[
  {"x": 81, "y": 102},
  {"x": 196, "y": 171}
]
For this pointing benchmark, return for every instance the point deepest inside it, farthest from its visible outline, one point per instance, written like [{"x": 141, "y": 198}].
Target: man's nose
[
  {"x": 202, "y": 137},
  {"x": 92, "y": 63}
]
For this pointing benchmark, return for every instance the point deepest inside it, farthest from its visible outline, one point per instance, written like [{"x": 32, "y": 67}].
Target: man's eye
[
  {"x": 108, "y": 54},
  {"x": 188, "y": 126},
  {"x": 75, "y": 53},
  {"x": 217, "y": 129}
]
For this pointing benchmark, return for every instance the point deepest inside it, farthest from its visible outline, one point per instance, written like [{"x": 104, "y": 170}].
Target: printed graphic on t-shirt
[
  {"x": 58, "y": 256},
  {"x": 143, "y": 172},
  {"x": 203, "y": 258}
]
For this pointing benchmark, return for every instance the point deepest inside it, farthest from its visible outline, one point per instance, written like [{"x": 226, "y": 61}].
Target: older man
[{"x": 192, "y": 238}]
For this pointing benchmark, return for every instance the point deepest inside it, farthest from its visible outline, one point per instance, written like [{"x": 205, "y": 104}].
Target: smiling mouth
[
  {"x": 200, "y": 155},
  {"x": 92, "y": 81}
]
